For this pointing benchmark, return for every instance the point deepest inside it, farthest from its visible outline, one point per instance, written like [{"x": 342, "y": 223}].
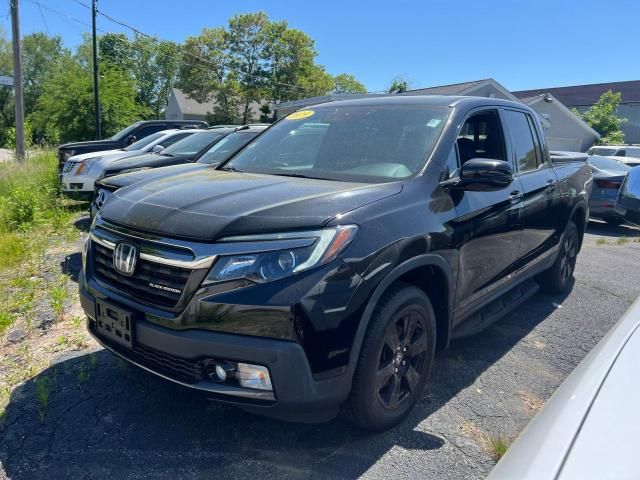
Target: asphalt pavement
[{"x": 108, "y": 420}]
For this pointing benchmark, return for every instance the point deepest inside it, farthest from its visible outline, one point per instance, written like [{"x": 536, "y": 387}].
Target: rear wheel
[
  {"x": 395, "y": 360},
  {"x": 558, "y": 278}
]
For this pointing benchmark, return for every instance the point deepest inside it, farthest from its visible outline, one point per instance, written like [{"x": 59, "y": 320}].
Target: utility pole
[
  {"x": 17, "y": 79},
  {"x": 96, "y": 92}
]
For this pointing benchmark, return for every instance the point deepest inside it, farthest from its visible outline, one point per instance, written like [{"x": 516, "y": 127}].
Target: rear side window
[
  {"x": 173, "y": 139},
  {"x": 621, "y": 153},
  {"x": 522, "y": 140}
]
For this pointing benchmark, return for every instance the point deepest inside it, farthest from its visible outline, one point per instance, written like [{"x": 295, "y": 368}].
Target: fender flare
[{"x": 411, "y": 264}]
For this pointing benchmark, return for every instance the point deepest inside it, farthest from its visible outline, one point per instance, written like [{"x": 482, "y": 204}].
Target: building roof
[
  {"x": 451, "y": 89},
  {"x": 190, "y": 106},
  {"x": 465, "y": 88},
  {"x": 586, "y": 95},
  {"x": 531, "y": 101}
]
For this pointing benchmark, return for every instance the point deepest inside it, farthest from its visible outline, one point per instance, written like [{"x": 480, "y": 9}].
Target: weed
[
  {"x": 498, "y": 446},
  {"x": 58, "y": 295},
  {"x": 12, "y": 249},
  {"x": 85, "y": 369},
  {"x": 62, "y": 341},
  {"x": 44, "y": 387},
  {"x": 601, "y": 241},
  {"x": 622, "y": 240},
  {"x": 6, "y": 319}
]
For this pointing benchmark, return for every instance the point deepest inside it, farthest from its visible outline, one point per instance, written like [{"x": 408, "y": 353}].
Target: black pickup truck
[
  {"x": 125, "y": 137},
  {"x": 319, "y": 269}
]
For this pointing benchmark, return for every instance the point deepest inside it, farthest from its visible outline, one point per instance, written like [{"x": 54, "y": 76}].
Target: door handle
[
  {"x": 515, "y": 195},
  {"x": 551, "y": 184}
]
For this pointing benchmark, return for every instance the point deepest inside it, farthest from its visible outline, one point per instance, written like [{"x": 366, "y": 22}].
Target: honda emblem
[{"x": 125, "y": 256}]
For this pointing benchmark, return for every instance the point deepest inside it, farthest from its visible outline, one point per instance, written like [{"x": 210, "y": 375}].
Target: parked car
[
  {"x": 211, "y": 146},
  {"x": 81, "y": 171},
  {"x": 125, "y": 137},
  {"x": 590, "y": 428},
  {"x": 628, "y": 154},
  {"x": 319, "y": 269},
  {"x": 608, "y": 175},
  {"x": 216, "y": 154},
  {"x": 628, "y": 202}
]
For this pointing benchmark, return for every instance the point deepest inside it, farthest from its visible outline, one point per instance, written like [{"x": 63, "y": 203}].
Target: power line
[
  {"x": 296, "y": 88},
  {"x": 42, "y": 15}
]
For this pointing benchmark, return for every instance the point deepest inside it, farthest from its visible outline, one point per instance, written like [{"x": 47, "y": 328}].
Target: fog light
[
  {"x": 253, "y": 376},
  {"x": 221, "y": 373}
]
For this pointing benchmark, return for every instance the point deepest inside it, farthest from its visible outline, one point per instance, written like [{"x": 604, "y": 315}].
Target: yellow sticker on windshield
[{"x": 300, "y": 115}]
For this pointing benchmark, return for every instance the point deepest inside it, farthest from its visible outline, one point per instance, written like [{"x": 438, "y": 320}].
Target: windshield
[
  {"x": 603, "y": 163},
  {"x": 370, "y": 143},
  {"x": 126, "y": 131},
  {"x": 192, "y": 144},
  {"x": 226, "y": 147},
  {"x": 143, "y": 142},
  {"x": 602, "y": 151}
]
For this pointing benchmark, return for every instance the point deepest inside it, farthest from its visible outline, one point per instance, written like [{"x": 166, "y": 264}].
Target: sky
[{"x": 523, "y": 44}]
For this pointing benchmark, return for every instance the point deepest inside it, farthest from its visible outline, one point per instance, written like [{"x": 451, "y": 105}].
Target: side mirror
[
  {"x": 157, "y": 149},
  {"x": 485, "y": 174}
]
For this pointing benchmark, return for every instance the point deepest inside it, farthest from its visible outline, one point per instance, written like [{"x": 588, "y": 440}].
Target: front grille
[
  {"x": 138, "y": 286},
  {"x": 182, "y": 369},
  {"x": 68, "y": 166}
]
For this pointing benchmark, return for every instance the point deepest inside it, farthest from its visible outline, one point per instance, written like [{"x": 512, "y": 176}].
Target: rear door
[{"x": 539, "y": 183}]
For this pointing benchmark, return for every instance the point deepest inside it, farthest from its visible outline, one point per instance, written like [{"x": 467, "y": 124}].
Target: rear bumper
[{"x": 296, "y": 394}]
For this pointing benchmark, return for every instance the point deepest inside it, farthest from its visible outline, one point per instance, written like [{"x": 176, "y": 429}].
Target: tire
[
  {"x": 558, "y": 278},
  {"x": 395, "y": 360}
]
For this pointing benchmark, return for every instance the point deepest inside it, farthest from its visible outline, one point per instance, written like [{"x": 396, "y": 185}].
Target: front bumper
[
  {"x": 177, "y": 356},
  {"x": 71, "y": 183}
]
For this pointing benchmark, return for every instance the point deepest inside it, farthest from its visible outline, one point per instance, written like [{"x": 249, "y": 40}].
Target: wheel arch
[
  {"x": 578, "y": 215},
  {"x": 432, "y": 274}
]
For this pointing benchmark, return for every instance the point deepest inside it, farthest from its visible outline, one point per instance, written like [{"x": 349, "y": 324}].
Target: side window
[
  {"x": 522, "y": 142},
  {"x": 481, "y": 137},
  {"x": 452, "y": 168},
  {"x": 173, "y": 139},
  {"x": 621, "y": 153},
  {"x": 148, "y": 130}
]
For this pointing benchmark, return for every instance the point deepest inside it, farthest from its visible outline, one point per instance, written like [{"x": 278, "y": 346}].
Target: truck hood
[
  {"x": 207, "y": 204},
  {"x": 126, "y": 179},
  {"x": 89, "y": 144}
]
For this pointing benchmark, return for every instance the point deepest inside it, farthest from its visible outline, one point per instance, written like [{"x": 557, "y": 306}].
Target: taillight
[{"x": 610, "y": 184}]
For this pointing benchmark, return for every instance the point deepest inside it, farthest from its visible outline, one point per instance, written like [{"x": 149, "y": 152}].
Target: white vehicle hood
[{"x": 84, "y": 156}]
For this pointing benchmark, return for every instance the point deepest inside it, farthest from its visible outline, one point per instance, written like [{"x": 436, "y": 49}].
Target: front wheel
[
  {"x": 558, "y": 278},
  {"x": 395, "y": 360}
]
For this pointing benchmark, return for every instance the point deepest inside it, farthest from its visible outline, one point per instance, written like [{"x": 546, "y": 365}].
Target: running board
[{"x": 496, "y": 309}]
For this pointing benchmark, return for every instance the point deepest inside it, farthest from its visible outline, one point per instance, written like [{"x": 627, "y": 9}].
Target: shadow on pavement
[
  {"x": 606, "y": 230},
  {"x": 105, "y": 419}
]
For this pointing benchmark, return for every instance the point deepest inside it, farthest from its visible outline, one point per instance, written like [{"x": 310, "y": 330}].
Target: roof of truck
[{"x": 432, "y": 100}]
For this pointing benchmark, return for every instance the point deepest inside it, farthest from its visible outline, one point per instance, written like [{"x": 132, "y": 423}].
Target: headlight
[
  {"x": 276, "y": 256},
  {"x": 86, "y": 164}
]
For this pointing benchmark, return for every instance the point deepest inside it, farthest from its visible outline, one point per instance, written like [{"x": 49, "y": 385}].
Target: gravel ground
[{"x": 108, "y": 420}]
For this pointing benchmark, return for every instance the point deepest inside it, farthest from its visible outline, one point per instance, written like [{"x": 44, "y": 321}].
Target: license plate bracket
[{"x": 115, "y": 324}]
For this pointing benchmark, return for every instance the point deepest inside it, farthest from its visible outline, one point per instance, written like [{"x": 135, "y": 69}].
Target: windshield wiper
[
  {"x": 229, "y": 169},
  {"x": 299, "y": 175}
]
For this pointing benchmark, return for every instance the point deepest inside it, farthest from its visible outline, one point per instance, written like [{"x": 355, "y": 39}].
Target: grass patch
[
  {"x": 58, "y": 295},
  {"x": 622, "y": 240},
  {"x": 44, "y": 387},
  {"x": 498, "y": 446},
  {"x": 6, "y": 319},
  {"x": 601, "y": 241},
  {"x": 12, "y": 250}
]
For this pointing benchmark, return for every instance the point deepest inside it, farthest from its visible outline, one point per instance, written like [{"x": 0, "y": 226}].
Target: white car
[
  {"x": 80, "y": 172},
  {"x": 627, "y": 154},
  {"x": 590, "y": 428}
]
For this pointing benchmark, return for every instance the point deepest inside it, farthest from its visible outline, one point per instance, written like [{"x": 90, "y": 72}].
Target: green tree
[
  {"x": 247, "y": 37},
  {"x": 603, "y": 119},
  {"x": 64, "y": 111},
  {"x": 398, "y": 85},
  {"x": 40, "y": 54},
  {"x": 347, "y": 83}
]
